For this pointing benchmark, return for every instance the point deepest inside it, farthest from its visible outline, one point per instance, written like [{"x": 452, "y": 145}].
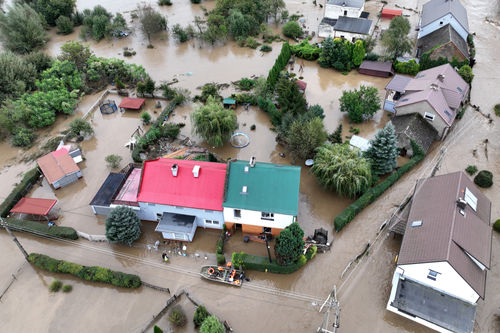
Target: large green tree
[
  {"x": 289, "y": 244},
  {"x": 213, "y": 122},
  {"x": 383, "y": 151},
  {"x": 241, "y": 26},
  {"x": 304, "y": 137},
  {"x": 16, "y": 76},
  {"x": 77, "y": 53},
  {"x": 292, "y": 29},
  {"x": 21, "y": 29},
  {"x": 336, "y": 53},
  {"x": 340, "y": 168},
  {"x": 151, "y": 21},
  {"x": 123, "y": 225},
  {"x": 52, "y": 9},
  {"x": 360, "y": 104},
  {"x": 395, "y": 39},
  {"x": 212, "y": 324},
  {"x": 290, "y": 99}
]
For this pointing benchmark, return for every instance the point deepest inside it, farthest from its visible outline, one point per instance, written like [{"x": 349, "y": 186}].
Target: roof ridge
[{"x": 453, "y": 219}]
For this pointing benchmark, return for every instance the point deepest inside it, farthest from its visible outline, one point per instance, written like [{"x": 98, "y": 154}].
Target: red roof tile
[
  {"x": 56, "y": 165},
  {"x": 33, "y": 206},
  {"x": 158, "y": 185},
  {"x": 132, "y": 103}
]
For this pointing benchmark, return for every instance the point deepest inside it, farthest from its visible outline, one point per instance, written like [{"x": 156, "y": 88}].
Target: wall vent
[{"x": 196, "y": 171}]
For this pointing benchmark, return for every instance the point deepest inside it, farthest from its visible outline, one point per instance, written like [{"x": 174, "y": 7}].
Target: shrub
[
  {"x": 262, "y": 264},
  {"x": 268, "y": 106},
  {"x": 67, "y": 288},
  {"x": 113, "y": 161},
  {"x": 251, "y": 43},
  {"x": 212, "y": 325},
  {"x": 79, "y": 127},
  {"x": 94, "y": 273},
  {"x": 20, "y": 190},
  {"x": 292, "y": 29},
  {"x": 177, "y": 316},
  {"x": 252, "y": 127},
  {"x": 306, "y": 51},
  {"x": 471, "y": 169},
  {"x": 360, "y": 103},
  {"x": 246, "y": 84},
  {"x": 23, "y": 137},
  {"x": 484, "y": 179},
  {"x": 410, "y": 67},
  {"x": 41, "y": 229},
  {"x": 165, "y": 3},
  {"x": 200, "y": 314},
  {"x": 55, "y": 286},
  {"x": 156, "y": 329},
  {"x": 497, "y": 109},
  {"x": 266, "y": 48},
  {"x": 466, "y": 73},
  {"x": 145, "y": 117},
  {"x": 371, "y": 56},
  {"x": 221, "y": 259},
  {"x": 64, "y": 25},
  {"x": 461, "y": 113},
  {"x": 52, "y": 9},
  {"x": 496, "y": 225}
]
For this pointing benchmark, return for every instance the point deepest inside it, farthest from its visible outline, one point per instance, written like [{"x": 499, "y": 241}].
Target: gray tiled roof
[
  {"x": 352, "y": 24},
  {"x": 347, "y": 3},
  {"x": 442, "y": 36},
  {"x": 436, "y": 9}
]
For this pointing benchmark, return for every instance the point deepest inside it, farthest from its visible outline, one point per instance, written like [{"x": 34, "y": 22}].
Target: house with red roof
[
  {"x": 182, "y": 195},
  {"x": 59, "y": 168}
]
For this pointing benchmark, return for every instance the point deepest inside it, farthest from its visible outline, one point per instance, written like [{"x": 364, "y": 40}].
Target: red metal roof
[
  {"x": 158, "y": 185},
  {"x": 132, "y": 103},
  {"x": 390, "y": 13},
  {"x": 33, "y": 206}
]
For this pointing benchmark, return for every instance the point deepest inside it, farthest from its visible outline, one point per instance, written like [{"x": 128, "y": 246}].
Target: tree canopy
[
  {"x": 337, "y": 53},
  {"x": 395, "y": 39},
  {"x": 466, "y": 73},
  {"x": 340, "y": 168},
  {"x": 305, "y": 136},
  {"x": 289, "y": 244},
  {"x": 292, "y": 29},
  {"x": 360, "y": 104},
  {"x": 383, "y": 151},
  {"x": 151, "y": 21},
  {"x": 123, "y": 225},
  {"x": 213, "y": 122},
  {"x": 16, "y": 76},
  {"x": 53, "y": 9},
  {"x": 212, "y": 324}
]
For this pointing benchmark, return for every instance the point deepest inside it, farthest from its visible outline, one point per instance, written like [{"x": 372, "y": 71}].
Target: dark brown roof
[
  {"x": 398, "y": 83},
  {"x": 382, "y": 66},
  {"x": 442, "y": 36},
  {"x": 445, "y": 234}
]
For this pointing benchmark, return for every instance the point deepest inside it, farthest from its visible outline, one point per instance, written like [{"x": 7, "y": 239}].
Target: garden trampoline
[
  {"x": 108, "y": 107},
  {"x": 239, "y": 140}
]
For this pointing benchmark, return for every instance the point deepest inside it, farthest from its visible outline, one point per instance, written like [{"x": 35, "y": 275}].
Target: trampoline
[
  {"x": 108, "y": 107},
  {"x": 239, "y": 140}
]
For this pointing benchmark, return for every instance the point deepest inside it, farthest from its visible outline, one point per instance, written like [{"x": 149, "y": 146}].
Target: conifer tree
[
  {"x": 123, "y": 225},
  {"x": 383, "y": 152},
  {"x": 336, "y": 137}
]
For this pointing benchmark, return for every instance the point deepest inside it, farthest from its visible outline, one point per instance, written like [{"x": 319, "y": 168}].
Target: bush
[
  {"x": 200, "y": 314},
  {"x": 64, "y": 25},
  {"x": 53, "y": 9},
  {"x": 221, "y": 259},
  {"x": 20, "y": 190},
  {"x": 497, "y": 109},
  {"x": 94, "y": 273},
  {"x": 23, "y": 137},
  {"x": 306, "y": 51},
  {"x": 55, "y": 286},
  {"x": 484, "y": 179},
  {"x": 212, "y": 325},
  {"x": 165, "y": 3},
  {"x": 177, "y": 316},
  {"x": 268, "y": 106},
  {"x": 145, "y": 117},
  {"x": 348, "y": 214},
  {"x": 292, "y": 29},
  {"x": 42, "y": 229},
  {"x": 123, "y": 225},
  {"x": 461, "y": 113},
  {"x": 246, "y": 84},
  {"x": 113, "y": 161},
  {"x": 371, "y": 56},
  {"x": 466, "y": 73},
  {"x": 79, "y": 127},
  {"x": 266, "y": 48},
  {"x": 496, "y": 225},
  {"x": 471, "y": 169},
  {"x": 278, "y": 66},
  {"x": 156, "y": 329},
  {"x": 262, "y": 264},
  {"x": 251, "y": 43},
  {"x": 67, "y": 288},
  {"x": 409, "y": 67}
]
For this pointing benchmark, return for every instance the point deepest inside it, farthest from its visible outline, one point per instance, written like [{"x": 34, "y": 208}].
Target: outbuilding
[
  {"x": 376, "y": 68},
  {"x": 229, "y": 102},
  {"x": 391, "y": 13},
  {"x": 131, "y": 103},
  {"x": 59, "y": 168}
]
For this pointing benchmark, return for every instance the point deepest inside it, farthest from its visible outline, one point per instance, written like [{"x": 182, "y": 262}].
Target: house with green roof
[{"x": 261, "y": 197}]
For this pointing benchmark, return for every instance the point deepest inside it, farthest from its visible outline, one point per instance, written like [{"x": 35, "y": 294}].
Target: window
[
  {"x": 208, "y": 211},
  {"x": 237, "y": 213},
  {"x": 345, "y": 12},
  {"x": 213, "y": 222},
  {"x": 432, "y": 275},
  {"x": 429, "y": 116},
  {"x": 267, "y": 216},
  {"x": 151, "y": 204},
  {"x": 470, "y": 199},
  {"x": 416, "y": 223}
]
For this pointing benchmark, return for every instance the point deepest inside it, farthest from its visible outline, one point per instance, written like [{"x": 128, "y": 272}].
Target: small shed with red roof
[
  {"x": 59, "y": 168},
  {"x": 34, "y": 206},
  {"x": 132, "y": 103},
  {"x": 182, "y": 195},
  {"x": 391, "y": 13}
]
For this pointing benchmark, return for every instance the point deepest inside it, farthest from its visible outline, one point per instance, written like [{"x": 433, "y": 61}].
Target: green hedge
[
  {"x": 348, "y": 214},
  {"x": 88, "y": 273},
  {"x": 41, "y": 228},
  {"x": 262, "y": 264},
  {"x": 279, "y": 65},
  {"x": 268, "y": 106},
  {"x": 19, "y": 191}
]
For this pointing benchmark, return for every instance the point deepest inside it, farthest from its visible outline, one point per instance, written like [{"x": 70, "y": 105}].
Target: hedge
[
  {"x": 348, "y": 214},
  {"x": 19, "y": 191},
  {"x": 262, "y": 264},
  {"x": 88, "y": 273},
  {"x": 268, "y": 107},
  {"x": 42, "y": 229},
  {"x": 279, "y": 65}
]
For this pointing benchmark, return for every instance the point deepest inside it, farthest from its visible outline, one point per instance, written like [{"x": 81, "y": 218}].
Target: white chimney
[
  {"x": 244, "y": 190},
  {"x": 246, "y": 168},
  {"x": 174, "y": 169},
  {"x": 253, "y": 160},
  {"x": 196, "y": 171}
]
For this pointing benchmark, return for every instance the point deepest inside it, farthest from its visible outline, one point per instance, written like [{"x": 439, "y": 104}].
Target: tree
[
  {"x": 466, "y": 73},
  {"x": 358, "y": 53},
  {"x": 122, "y": 225},
  {"x": 77, "y": 53},
  {"x": 360, "y": 104},
  {"x": 289, "y": 244},
  {"x": 395, "y": 39},
  {"x": 177, "y": 316},
  {"x": 275, "y": 7},
  {"x": 484, "y": 179},
  {"x": 200, "y": 314},
  {"x": 336, "y": 53},
  {"x": 113, "y": 161},
  {"x": 151, "y": 21},
  {"x": 304, "y": 137},
  {"x": 21, "y": 29},
  {"x": 39, "y": 59},
  {"x": 216, "y": 28},
  {"x": 292, "y": 29},
  {"x": 212, "y": 325},
  {"x": 383, "y": 151},
  {"x": 64, "y": 25},
  {"x": 149, "y": 87},
  {"x": 53, "y": 9},
  {"x": 241, "y": 26},
  {"x": 16, "y": 76},
  {"x": 156, "y": 329},
  {"x": 80, "y": 127},
  {"x": 336, "y": 137},
  {"x": 340, "y": 168},
  {"x": 289, "y": 98},
  {"x": 213, "y": 122}
]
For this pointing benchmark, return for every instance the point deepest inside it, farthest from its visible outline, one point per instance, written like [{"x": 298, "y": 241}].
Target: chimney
[
  {"x": 440, "y": 77},
  {"x": 253, "y": 160},
  {"x": 461, "y": 203},
  {"x": 196, "y": 171},
  {"x": 174, "y": 169},
  {"x": 247, "y": 168},
  {"x": 244, "y": 190}
]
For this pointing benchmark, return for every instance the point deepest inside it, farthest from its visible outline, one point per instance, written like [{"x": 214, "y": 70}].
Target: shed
[
  {"x": 34, "y": 206},
  {"x": 301, "y": 85},
  {"x": 229, "y": 102},
  {"x": 376, "y": 68},
  {"x": 101, "y": 202},
  {"x": 391, "y": 13},
  {"x": 359, "y": 142},
  {"x": 132, "y": 103},
  {"x": 59, "y": 168}
]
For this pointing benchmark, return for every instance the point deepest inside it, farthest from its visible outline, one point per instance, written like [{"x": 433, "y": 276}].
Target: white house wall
[
  {"x": 252, "y": 217},
  {"x": 333, "y": 11},
  {"x": 441, "y": 22},
  {"x": 448, "y": 281},
  {"x": 325, "y": 30},
  {"x": 421, "y": 108},
  {"x": 348, "y": 35}
]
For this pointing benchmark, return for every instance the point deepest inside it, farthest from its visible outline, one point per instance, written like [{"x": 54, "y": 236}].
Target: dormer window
[{"x": 429, "y": 116}]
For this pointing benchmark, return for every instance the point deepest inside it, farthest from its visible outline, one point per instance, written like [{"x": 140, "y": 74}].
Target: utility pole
[
  {"x": 332, "y": 303},
  {"x": 6, "y": 226},
  {"x": 438, "y": 163}
]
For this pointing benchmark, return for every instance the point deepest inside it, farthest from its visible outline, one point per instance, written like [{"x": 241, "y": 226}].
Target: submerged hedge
[
  {"x": 259, "y": 263},
  {"x": 88, "y": 273},
  {"x": 42, "y": 229},
  {"x": 348, "y": 214},
  {"x": 19, "y": 191}
]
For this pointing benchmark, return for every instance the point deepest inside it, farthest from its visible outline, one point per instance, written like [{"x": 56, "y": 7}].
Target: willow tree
[
  {"x": 340, "y": 168},
  {"x": 213, "y": 122}
]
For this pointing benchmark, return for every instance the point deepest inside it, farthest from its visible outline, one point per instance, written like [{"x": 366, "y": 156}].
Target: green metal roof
[
  {"x": 228, "y": 100},
  {"x": 271, "y": 187}
]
